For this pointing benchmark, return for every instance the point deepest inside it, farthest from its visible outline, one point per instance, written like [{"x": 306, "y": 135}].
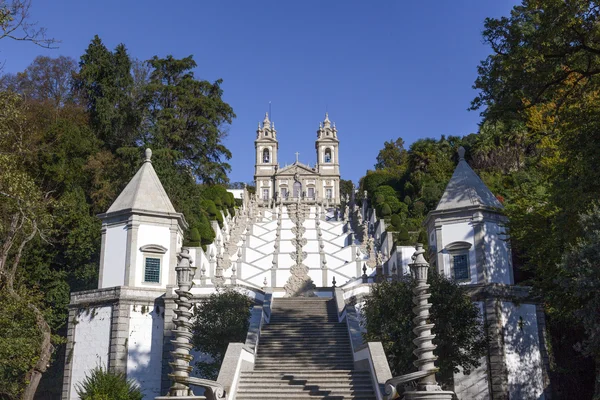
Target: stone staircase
[{"x": 304, "y": 353}]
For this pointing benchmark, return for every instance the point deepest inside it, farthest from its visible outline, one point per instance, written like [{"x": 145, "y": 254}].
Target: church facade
[{"x": 297, "y": 181}]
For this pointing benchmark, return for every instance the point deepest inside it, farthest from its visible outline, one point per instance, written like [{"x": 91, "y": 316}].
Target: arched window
[
  {"x": 266, "y": 156},
  {"x": 327, "y": 155}
]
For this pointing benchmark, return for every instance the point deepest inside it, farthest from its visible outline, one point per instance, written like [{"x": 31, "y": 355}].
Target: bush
[
  {"x": 403, "y": 237},
  {"x": 221, "y": 319},
  {"x": 106, "y": 385},
  {"x": 218, "y": 202},
  {"x": 407, "y": 200},
  {"x": 459, "y": 334},
  {"x": 210, "y": 207},
  {"x": 396, "y": 205},
  {"x": 386, "y": 211},
  {"x": 379, "y": 199},
  {"x": 207, "y": 234},
  {"x": 194, "y": 238},
  {"x": 396, "y": 221}
]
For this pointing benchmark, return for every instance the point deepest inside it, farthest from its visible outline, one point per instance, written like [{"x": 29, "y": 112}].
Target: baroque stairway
[{"x": 304, "y": 353}]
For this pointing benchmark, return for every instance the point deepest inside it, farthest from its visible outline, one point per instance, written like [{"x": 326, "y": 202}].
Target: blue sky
[{"x": 383, "y": 69}]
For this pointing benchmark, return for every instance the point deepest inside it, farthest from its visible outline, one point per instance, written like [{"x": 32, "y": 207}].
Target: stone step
[
  {"x": 302, "y": 396},
  {"x": 303, "y": 366}
]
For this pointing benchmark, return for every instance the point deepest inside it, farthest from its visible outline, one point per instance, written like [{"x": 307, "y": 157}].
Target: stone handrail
[
  {"x": 367, "y": 356},
  {"x": 371, "y": 357},
  {"x": 240, "y": 356},
  {"x": 212, "y": 390},
  {"x": 237, "y": 358}
]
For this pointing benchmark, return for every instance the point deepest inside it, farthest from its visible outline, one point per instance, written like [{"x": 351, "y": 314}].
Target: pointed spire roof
[
  {"x": 326, "y": 122},
  {"x": 466, "y": 189},
  {"x": 266, "y": 121},
  {"x": 144, "y": 192}
]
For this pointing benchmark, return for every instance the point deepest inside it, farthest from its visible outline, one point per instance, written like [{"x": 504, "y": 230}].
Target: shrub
[
  {"x": 105, "y": 385},
  {"x": 403, "y": 237},
  {"x": 407, "y": 200},
  {"x": 396, "y": 221},
  {"x": 210, "y": 207},
  {"x": 218, "y": 202},
  {"x": 207, "y": 234},
  {"x": 194, "y": 238},
  {"x": 221, "y": 319},
  {"x": 386, "y": 211}
]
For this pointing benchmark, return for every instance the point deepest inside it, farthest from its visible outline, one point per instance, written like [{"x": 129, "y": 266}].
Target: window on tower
[
  {"x": 327, "y": 155},
  {"x": 266, "y": 156}
]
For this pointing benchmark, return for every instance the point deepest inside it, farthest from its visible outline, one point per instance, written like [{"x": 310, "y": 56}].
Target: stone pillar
[
  {"x": 497, "y": 358},
  {"x": 119, "y": 337},
  {"x": 70, "y": 348}
]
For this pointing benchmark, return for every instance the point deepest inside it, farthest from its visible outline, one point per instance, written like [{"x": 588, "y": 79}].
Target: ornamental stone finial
[
  {"x": 148, "y": 155},
  {"x": 461, "y": 153}
]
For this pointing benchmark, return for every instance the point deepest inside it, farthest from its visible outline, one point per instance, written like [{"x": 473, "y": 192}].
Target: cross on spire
[{"x": 297, "y": 154}]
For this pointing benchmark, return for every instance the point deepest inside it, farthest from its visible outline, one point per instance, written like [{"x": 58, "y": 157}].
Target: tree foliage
[
  {"x": 189, "y": 116},
  {"x": 393, "y": 157},
  {"x": 460, "y": 337},
  {"x": 71, "y": 137},
  {"x": 221, "y": 319}
]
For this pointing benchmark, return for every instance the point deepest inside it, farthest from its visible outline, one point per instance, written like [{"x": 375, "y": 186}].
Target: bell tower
[
  {"x": 328, "y": 163},
  {"x": 265, "y": 167}
]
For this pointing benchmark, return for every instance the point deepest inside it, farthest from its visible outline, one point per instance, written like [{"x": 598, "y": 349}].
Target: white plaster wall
[
  {"x": 522, "y": 351},
  {"x": 145, "y": 346},
  {"x": 474, "y": 386},
  {"x": 498, "y": 256},
  {"x": 92, "y": 344},
  {"x": 462, "y": 232},
  {"x": 401, "y": 258},
  {"x": 115, "y": 250},
  {"x": 151, "y": 234}
]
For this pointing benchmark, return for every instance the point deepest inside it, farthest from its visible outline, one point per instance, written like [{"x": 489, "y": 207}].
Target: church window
[
  {"x": 329, "y": 194},
  {"x": 266, "y": 156},
  {"x": 460, "y": 266},
  {"x": 311, "y": 193},
  {"x": 152, "y": 270},
  {"x": 284, "y": 193},
  {"x": 459, "y": 260},
  {"x": 327, "y": 155},
  {"x": 265, "y": 194}
]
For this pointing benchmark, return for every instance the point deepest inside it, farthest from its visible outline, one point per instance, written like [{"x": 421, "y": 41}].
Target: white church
[{"x": 307, "y": 259}]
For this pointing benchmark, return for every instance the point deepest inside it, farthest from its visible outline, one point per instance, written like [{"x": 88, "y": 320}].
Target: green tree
[
  {"x": 221, "y": 319},
  {"x": 393, "y": 157},
  {"x": 346, "y": 188},
  {"x": 24, "y": 216},
  {"x": 105, "y": 83},
  {"x": 188, "y": 116},
  {"x": 459, "y": 334},
  {"x": 581, "y": 277}
]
